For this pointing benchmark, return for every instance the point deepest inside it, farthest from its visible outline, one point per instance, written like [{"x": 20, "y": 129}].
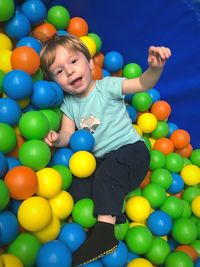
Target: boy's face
[{"x": 72, "y": 72}]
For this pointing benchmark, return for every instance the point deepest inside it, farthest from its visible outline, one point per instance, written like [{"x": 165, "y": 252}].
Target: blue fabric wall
[{"x": 130, "y": 27}]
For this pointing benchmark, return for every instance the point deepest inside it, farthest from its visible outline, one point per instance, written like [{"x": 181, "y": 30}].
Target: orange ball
[
  {"x": 146, "y": 180},
  {"x": 22, "y": 182},
  {"x": 164, "y": 144},
  {"x": 180, "y": 138},
  {"x": 25, "y": 58},
  {"x": 189, "y": 250},
  {"x": 184, "y": 152},
  {"x": 44, "y": 31},
  {"x": 15, "y": 152},
  {"x": 117, "y": 74},
  {"x": 97, "y": 73},
  {"x": 99, "y": 59},
  {"x": 161, "y": 109},
  {"x": 77, "y": 26}
]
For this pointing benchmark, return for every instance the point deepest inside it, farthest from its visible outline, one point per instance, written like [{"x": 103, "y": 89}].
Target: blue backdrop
[{"x": 130, "y": 27}]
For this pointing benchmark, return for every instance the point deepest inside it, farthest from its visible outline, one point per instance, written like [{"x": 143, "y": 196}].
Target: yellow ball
[
  {"x": 62, "y": 205},
  {"x": 5, "y": 64},
  {"x": 195, "y": 206},
  {"x": 34, "y": 213},
  {"x": 82, "y": 164},
  {"x": 90, "y": 44},
  {"x": 137, "y": 128},
  {"x": 139, "y": 262},
  {"x": 147, "y": 122},
  {"x": 190, "y": 174},
  {"x": 10, "y": 260},
  {"x": 50, "y": 232},
  {"x": 138, "y": 208},
  {"x": 133, "y": 224},
  {"x": 49, "y": 182},
  {"x": 5, "y": 42},
  {"x": 152, "y": 141}
]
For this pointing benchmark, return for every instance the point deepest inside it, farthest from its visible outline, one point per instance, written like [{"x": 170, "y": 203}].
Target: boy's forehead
[{"x": 67, "y": 50}]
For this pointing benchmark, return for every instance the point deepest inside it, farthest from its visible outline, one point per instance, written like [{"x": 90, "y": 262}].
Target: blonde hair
[{"x": 48, "y": 51}]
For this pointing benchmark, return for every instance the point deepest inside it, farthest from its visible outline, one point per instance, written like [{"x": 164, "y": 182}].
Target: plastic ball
[
  {"x": 34, "y": 125},
  {"x": 44, "y": 31},
  {"x": 49, "y": 182},
  {"x": 177, "y": 259},
  {"x": 180, "y": 138},
  {"x": 22, "y": 182},
  {"x": 83, "y": 213},
  {"x": 120, "y": 230},
  {"x": 72, "y": 235},
  {"x": 89, "y": 43},
  {"x": 14, "y": 153},
  {"x": 158, "y": 160},
  {"x": 82, "y": 164},
  {"x": 190, "y": 174},
  {"x": 82, "y": 140},
  {"x": 177, "y": 184},
  {"x": 61, "y": 156},
  {"x": 131, "y": 112},
  {"x": 173, "y": 206},
  {"x": 116, "y": 258},
  {"x": 7, "y": 9},
  {"x": 174, "y": 162},
  {"x": 54, "y": 254},
  {"x": 184, "y": 152},
  {"x": 4, "y": 195},
  {"x": 59, "y": 94},
  {"x": 2, "y": 74},
  {"x": 11, "y": 260},
  {"x": 77, "y": 26},
  {"x": 52, "y": 117},
  {"x": 30, "y": 42},
  {"x": 62, "y": 204},
  {"x": 155, "y": 95},
  {"x": 5, "y": 42},
  {"x": 172, "y": 127},
  {"x": 66, "y": 175},
  {"x": 9, "y": 227},
  {"x": 138, "y": 208},
  {"x": 58, "y": 16},
  {"x": 5, "y": 56},
  {"x": 26, "y": 247},
  {"x": 34, "y": 154},
  {"x": 18, "y": 26},
  {"x": 195, "y": 157},
  {"x": 139, "y": 239},
  {"x": 34, "y": 10},
  {"x": 34, "y": 213},
  {"x": 147, "y": 122},
  {"x": 141, "y": 101},
  {"x": 161, "y": 130},
  {"x": 132, "y": 70},
  {"x": 189, "y": 250},
  {"x": 97, "y": 41},
  {"x": 97, "y": 72},
  {"x": 3, "y": 165},
  {"x": 195, "y": 206},
  {"x": 160, "y": 223},
  {"x": 162, "y": 177},
  {"x": 164, "y": 144},
  {"x": 113, "y": 61},
  {"x": 161, "y": 109},
  {"x": 155, "y": 194},
  {"x": 8, "y": 138},
  {"x": 140, "y": 262},
  {"x": 25, "y": 58}
]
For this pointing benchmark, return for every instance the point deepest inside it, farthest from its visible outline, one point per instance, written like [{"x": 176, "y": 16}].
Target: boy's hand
[
  {"x": 158, "y": 56},
  {"x": 51, "y": 138}
]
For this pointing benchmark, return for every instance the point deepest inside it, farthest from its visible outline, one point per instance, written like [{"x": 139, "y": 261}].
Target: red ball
[
  {"x": 161, "y": 109},
  {"x": 180, "y": 138},
  {"x": 77, "y": 26}
]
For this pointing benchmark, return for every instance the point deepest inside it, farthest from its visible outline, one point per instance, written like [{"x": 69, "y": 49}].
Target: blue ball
[
  {"x": 44, "y": 95},
  {"x": 155, "y": 95},
  {"x": 34, "y": 10},
  {"x": 59, "y": 94},
  {"x": 18, "y": 26},
  {"x": 113, "y": 61},
  {"x": 61, "y": 157},
  {"x": 118, "y": 258},
  {"x": 82, "y": 140},
  {"x": 3, "y": 164},
  {"x": 54, "y": 254},
  {"x": 172, "y": 127},
  {"x": 131, "y": 112},
  {"x": 72, "y": 235},
  {"x": 10, "y": 111},
  {"x": 197, "y": 263},
  {"x": 14, "y": 205},
  {"x": 105, "y": 73},
  {"x": 18, "y": 84},
  {"x": 61, "y": 32},
  {"x": 131, "y": 256},
  {"x": 177, "y": 184},
  {"x": 9, "y": 227},
  {"x": 160, "y": 223},
  {"x": 30, "y": 42},
  {"x": 12, "y": 162}
]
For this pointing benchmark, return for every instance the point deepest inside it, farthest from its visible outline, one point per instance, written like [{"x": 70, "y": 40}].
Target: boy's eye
[
  {"x": 74, "y": 61},
  {"x": 59, "y": 72}
]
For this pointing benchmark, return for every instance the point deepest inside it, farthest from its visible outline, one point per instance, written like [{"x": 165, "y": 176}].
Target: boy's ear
[{"x": 91, "y": 64}]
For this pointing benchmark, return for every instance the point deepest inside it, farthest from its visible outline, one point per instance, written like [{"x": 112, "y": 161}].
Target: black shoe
[{"x": 100, "y": 242}]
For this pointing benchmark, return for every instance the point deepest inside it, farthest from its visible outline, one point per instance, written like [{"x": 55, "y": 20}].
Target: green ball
[
  {"x": 26, "y": 247},
  {"x": 52, "y": 117},
  {"x": 186, "y": 162},
  {"x": 158, "y": 252},
  {"x": 34, "y": 125},
  {"x": 121, "y": 230},
  {"x": 155, "y": 194},
  {"x": 186, "y": 209},
  {"x": 132, "y": 70},
  {"x": 38, "y": 76},
  {"x": 174, "y": 162},
  {"x": 2, "y": 74},
  {"x": 161, "y": 176},
  {"x": 66, "y": 175},
  {"x": 178, "y": 259},
  {"x": 157, "y": 160},
  {"x": 7, "y": 9},
  {"x": 135, "y": 192},
  {"x": 190, "y": 193},
  {"x": 34, "y": 154},
  {"x": 195, "y": 157},
  {"x": 184, "y": 231},
  {"x": 147, "y": 142},
  {"x": 141, "y": 101},
  {"x": 139, "y": 239},
  {"x": 161, "y": 130},
  {"x": 83, "y": 213},
  {"x": 8, "y": 139},
  {"x": 59, "y": 17},
  {"x": 97, "y": 41},
  {"x": 4, "y": 195},
  {"x": 173, "y": 206},
  {"x": 196, "y": 246}
]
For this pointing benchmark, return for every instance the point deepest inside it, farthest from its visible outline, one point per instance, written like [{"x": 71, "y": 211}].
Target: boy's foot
[{"x": 100, "y": 242}]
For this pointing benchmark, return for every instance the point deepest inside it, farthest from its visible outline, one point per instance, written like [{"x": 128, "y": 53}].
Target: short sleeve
[
  {"x": 112, "y": 86},
  {"x": 66, "y": 108}
]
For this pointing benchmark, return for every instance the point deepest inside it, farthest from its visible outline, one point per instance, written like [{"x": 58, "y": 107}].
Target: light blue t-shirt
[{"x": 103, "y": 112}]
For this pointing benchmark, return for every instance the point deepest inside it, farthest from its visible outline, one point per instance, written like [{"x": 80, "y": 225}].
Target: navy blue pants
[{"x": 116, "y": 174}]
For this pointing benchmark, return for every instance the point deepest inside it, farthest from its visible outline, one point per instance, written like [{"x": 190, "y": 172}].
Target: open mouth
[{"x": 76, "y": 81}]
